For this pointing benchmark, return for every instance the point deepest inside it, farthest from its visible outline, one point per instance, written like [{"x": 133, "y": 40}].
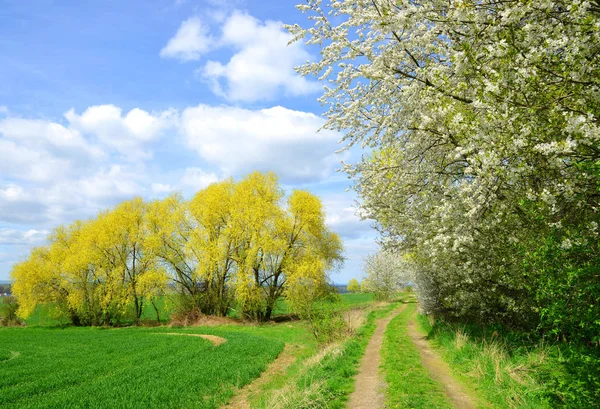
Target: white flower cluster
[{"x": 483, "y": 119}]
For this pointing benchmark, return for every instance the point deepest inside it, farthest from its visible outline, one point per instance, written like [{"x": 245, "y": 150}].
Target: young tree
[
  {"x": 387, "y": 273},
  {"x": 353, "y": 286}
]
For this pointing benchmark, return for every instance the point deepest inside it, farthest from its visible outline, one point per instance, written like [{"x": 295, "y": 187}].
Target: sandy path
[
  {"x": 216, "y": 340},
  {"x": 278, "y": 366},
  {"x": 369, "y": 388},
  {"x": 439, "y": 370}
]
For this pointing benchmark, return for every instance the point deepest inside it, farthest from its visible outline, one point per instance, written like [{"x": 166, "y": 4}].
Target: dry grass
[
  {"x": 494, "y": 352},
  {"x": 314, "y": 395},
  {"x": 354, "y": 319},
  {"x": 195, "y": 318},
  {"x": 461, "y": 339},
  {"x": 290, "y": 397}
]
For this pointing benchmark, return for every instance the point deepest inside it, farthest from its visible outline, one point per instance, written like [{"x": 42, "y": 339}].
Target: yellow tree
[
  {"x": 353, "y": 285},
  {"x": 281, "y": 251},
  {"x": 123, "y": 254},
  {"x": 312, "y": 251},
  {"x": 96, "y": 271},
  {"x": 256, "y": 214},
  {"x": 212, "y": 243}
]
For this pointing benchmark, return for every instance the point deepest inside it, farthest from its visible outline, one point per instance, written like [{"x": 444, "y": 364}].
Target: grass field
[
  {"x": 52, "y": 365},
  {"x": 511, "y": 370},
  {"x": 346, "y": 300},
  {"x": 131, "y": 367}
]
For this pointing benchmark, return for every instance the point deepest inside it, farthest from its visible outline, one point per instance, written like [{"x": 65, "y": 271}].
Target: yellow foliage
[{"x": 232, "y": 243}]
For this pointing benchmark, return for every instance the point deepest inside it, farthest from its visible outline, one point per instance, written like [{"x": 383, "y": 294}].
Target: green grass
[
  {"x": 512, "y": 371},
  {"x": 127, "y": 368},
  {"x": 44, "y": 366},
  {"x": 409, "y": 384}
]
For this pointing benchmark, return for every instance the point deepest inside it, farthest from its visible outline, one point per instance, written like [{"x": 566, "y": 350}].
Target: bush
[
  {"x": 8, "y": 311},
  {"x": 326, "y": 321}
]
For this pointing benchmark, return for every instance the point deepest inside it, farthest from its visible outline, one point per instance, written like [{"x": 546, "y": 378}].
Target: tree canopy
[
  {"x": 482, "y": 122},
  {"x": 234, "y": 244}
]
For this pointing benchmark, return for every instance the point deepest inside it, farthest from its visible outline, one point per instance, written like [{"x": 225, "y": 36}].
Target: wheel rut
[
  {"x": 369, "y": 388},
  {"x": 439, "y": 370}
]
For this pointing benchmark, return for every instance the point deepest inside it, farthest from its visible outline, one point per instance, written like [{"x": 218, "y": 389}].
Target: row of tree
[
  {"x": 484, "y": 173},
  {"x": 233, "y": 245}
]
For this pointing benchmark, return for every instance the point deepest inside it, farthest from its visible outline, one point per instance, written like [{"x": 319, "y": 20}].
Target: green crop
[{"x": 126, "y": 368}]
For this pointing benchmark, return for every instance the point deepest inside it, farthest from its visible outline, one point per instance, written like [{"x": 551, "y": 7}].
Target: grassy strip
[
  {"x": 324, "y": 380},
  {"x": 511, "y": 371},
  {"x": 409, "y": 384}
]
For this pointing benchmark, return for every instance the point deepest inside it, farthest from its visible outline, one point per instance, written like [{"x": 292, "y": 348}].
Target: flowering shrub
[{"x": 482, "y": 119}]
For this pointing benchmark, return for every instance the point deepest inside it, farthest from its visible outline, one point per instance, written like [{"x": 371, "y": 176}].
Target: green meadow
[{"x": 129, "y": 367}]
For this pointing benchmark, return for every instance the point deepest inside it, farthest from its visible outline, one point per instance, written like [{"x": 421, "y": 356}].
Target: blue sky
[{"x": 104, "y": 100}]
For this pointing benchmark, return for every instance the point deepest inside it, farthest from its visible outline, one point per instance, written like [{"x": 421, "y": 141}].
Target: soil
[
  {"x": 369, "y": 387},
  {"x": 216, "y": 340},
  {"x": 278, "y": 366},
  {"x": 439, "y": 370}
]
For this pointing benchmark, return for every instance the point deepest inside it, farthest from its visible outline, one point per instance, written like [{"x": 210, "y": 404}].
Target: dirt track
[
  {"x": 369, "y": 389},
  {"x": 439, "y": 370}
]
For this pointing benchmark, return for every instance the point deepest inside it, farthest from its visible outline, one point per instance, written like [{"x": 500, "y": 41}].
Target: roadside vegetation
[
  {"x": 512, "y": 370},
  {"x": 325, "y": 379}
]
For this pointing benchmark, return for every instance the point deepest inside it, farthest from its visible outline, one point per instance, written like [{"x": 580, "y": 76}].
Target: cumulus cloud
[
  {"x": 160, "y": 188},
  {"x": 190, "y": 42},
  {"x": 40, "y": 150},
  {"x": 197, "y": 179},
  {"x": 261, "y": 61},
  {"x": 22, "y": 237},
  {"x": 125, "y": 133},
  {"x": 282, "y": 140},
  {"x": 78, "y": 197},
  {"x": 52, "y": 173},
  {"x": 344, "y": 218},
  {"x": 262, "y": 65}
]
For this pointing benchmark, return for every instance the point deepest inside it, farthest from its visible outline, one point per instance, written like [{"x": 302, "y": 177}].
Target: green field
[
  {"x": 132, "y": 367},
  {"x": 346, "y": 300}
]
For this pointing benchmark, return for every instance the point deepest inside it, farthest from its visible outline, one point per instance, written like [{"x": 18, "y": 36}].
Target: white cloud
[
  {"x": 190, "y": 42},
  {"x": 3, "y": 110},
  {"x": 40, "y": 150},
  {"x": 126, "y": 134},
  {"x": 53, "y": 173},
  {"x": 261, "y": 61},
  {"x": 263, "y": 64},
  {"x": 22, "y": 237},
  {"x": 66, "y": 200},
  {"x": 197, "y": 179},
  {"x": 160, "y": 188},
  {"x": 282, "y": 140},
  {"x": 343, "y": 218}
]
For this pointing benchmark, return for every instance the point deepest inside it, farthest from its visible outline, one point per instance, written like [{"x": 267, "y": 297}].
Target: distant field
[
  {"x": 131, "y": 367},
  {"x": 346, "y": 300}
]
